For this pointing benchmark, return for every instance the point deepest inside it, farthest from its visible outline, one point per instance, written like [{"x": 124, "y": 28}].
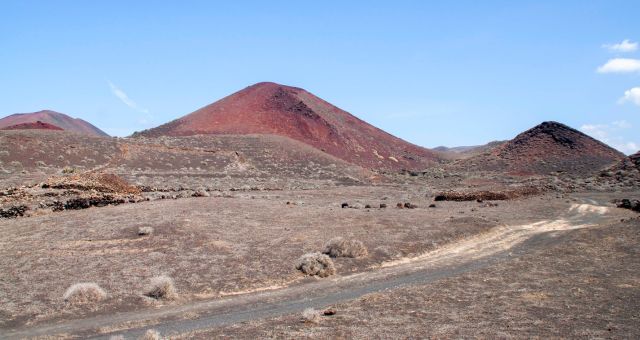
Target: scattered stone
[
  {"x": 329, "y": 311},
  {"x": 432, "y": 205},
  {"x": 629, "y": 204},
  {"x": 344, "y": 205},
  {"x": 14, "y": 211},
  {"x": 94, "y": 201},
  {"x": 57, "y": 206},
  {"x": 383, "y": 205},
  {"x": 399, "y": 206},
  {"x": 410, "y": 205}
]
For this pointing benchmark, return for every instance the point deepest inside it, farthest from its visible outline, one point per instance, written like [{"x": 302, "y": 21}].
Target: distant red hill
[
  {"x": 56, "y": 119},
  {"x": 269, "y": 108},
  {"x": 32, "y": 126},
  {"x": 545, "y": 148}
]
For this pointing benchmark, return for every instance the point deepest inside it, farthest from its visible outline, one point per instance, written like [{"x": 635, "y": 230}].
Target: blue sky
[{"x": 433, "y": 73}]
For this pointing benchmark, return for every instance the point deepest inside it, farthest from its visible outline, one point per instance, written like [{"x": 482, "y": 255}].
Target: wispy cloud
[
  {"x": 622, "y": 124},
  {"x": 624, "y": 46},
  {"x": 609, "y": 134},
  {"x": 631, "y": 95},
  {"x": 125, "y": 98}
]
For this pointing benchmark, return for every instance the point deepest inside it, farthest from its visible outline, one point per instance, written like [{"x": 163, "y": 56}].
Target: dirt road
[{"x": 467, "y": 255}]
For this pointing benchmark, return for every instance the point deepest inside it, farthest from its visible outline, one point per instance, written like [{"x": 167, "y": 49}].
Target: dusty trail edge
[{"x": 470, "y": 254}]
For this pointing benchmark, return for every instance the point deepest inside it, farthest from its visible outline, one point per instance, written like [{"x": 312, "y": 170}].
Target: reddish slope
[
  {"x": 32, "y": 126},
  {"x": 54, "y": 118},
  {"x": 269, "y": 108},
  {"x": 547, "y": 147}
]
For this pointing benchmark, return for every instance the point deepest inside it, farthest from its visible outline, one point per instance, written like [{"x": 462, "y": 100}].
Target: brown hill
[
  {"x": 57, "y": 119},
  {"x": 32, "y": 126},
  {"x": 219, "y": 162},
  {"x": 269, "y": 108},
  {"x": 546, "y": 148},
  {"x": 461, "y": 152}
]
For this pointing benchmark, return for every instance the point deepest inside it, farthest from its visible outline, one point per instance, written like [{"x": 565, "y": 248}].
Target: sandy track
[{"x": 454, "y": 259}]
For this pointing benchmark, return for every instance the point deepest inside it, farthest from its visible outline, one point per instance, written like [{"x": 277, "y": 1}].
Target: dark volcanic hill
[
  {"x": 546, "y": 148},
  {"x": 32, "y": 126},
  {"x": 60, "y": 120},
  {"x": 625, "y": 172},
  {"x": 269, "y": 108}
]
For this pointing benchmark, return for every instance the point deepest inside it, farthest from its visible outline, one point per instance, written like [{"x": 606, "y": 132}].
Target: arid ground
[{"x": 449, "y": 253}]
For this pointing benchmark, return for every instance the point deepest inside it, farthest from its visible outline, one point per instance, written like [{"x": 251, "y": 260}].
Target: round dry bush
[
  {"x": 84, "y": 293},
  {"x": 339, "y": 247},
  {"x": 161, "y": 288},
  {"x": 316, "y": 264},
  {"x": 144, "y": 231},
  {"x": 311, "y": 315},
  {"x": 151, "y": 334}
]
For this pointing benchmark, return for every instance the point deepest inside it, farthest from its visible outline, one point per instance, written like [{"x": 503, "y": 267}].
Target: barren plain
[{"x": 224, "y": 220}]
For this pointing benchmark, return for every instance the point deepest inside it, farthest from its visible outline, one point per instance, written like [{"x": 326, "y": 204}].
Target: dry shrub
[
  {"x": 151, "y": 334},
  {"x": 316, "y": 264},
  {"x": 101, "y": 182},
  {"x": 84, "y": 293},
  {"x": 339, "y": 247},
  {"x": 488, "y": 195},
  {"x": 68, "y": 170},
  {"x": 161, "y": 288},
  {"x": 144, "y": 231},
  {"x": 311, "y": 315}
]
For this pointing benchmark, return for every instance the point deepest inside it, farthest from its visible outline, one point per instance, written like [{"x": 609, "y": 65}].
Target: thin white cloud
[
  {"x": 624, "y": 46},
  {"x": 620, "y": 65},
  {"x": 609, "y": 134},
  {"x": 631, "y": 95},
  {"x": 125, "y": 98},
  {"x": 622, "y": 124}
]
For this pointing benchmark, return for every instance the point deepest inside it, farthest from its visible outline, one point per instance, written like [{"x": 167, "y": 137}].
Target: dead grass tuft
[
  {"x": 316, "y": 264},
  {"x": 84, "y": 293},
  {"x": 161, "y": 288},
  {"x": 144, "y": 231},
  {"x": 311, "y": 315},
  {"x": 339, "y": 247},
  {"x": 151, "y": 334}
]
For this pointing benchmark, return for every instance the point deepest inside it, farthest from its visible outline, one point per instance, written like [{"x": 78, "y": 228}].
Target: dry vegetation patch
[
  {"x": 100, "y": 182},
  {"x": 151, "y": 334},
  {"x": 145, "y": 231},
  {"x": 487, "y": 195},
  {"x": 316, "y": 264},
  {"x": 84, "y": 293},
  {"x": 161, "y": 288},
  {"x": 310, "y": 315},
  {"x": 339, "y": 247}
]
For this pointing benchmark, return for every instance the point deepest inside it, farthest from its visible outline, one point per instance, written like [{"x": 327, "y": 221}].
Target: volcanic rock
[{"x": 32, "y": 126}]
